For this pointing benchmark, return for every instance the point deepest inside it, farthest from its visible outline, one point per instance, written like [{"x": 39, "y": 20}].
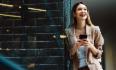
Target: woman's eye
[
  {"x": 79, "y": 9},
  {"x": 85, "y": 9}
]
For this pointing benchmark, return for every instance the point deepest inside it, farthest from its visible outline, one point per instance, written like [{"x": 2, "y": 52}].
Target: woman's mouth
[{"x": 82, "y": 15}]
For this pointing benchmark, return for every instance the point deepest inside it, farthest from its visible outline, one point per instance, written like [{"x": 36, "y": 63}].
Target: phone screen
[{"x": 82, "y": 36}]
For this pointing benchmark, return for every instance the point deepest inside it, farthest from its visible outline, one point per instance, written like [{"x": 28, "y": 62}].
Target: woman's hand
[
  {"x": 79, "y": 43},
  {"x": 73, "y": 50},
  {"x": 86, "y": 43}
]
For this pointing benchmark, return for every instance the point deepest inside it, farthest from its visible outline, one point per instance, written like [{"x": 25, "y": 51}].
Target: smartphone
[{"x": 82, "y": 36}]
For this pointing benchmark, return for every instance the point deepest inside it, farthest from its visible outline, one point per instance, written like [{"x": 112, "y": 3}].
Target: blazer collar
[{"x": 88, "y": 30}]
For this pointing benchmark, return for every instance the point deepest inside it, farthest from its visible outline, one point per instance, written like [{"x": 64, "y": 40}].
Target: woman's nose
[{"x": 83, "y": 10}]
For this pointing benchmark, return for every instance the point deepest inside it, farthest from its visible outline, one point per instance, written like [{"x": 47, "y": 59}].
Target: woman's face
[{"x": 81, "y": 12}]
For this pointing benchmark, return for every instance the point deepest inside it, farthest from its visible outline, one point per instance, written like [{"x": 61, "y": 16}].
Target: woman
[{"x": 85, "y": 40}]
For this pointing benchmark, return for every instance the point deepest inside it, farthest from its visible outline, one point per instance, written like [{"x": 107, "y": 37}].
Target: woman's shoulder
[
  {"x": 96, "y": 28},
  {"x": 69, "y": 29}
]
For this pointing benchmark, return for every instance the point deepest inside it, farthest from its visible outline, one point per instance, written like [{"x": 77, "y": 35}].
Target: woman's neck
[{"x": 80, "y": 24}]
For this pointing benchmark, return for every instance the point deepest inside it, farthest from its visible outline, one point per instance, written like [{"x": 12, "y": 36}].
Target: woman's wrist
[{"x": 93, "y": 49}]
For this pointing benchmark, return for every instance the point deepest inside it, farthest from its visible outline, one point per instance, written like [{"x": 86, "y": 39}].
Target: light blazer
[{"x": 96, "y": 38}]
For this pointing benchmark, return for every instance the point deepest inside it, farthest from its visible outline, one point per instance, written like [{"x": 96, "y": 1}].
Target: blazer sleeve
[
  {"x": 98, "y": 41},
  {"x": 71, "y": 37}
]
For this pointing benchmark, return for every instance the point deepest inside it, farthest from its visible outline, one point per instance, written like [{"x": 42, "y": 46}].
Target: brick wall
[{"x": 28, "y": 41}]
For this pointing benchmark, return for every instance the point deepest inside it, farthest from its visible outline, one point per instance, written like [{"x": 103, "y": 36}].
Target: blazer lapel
[{"x": 88, "y": 30}]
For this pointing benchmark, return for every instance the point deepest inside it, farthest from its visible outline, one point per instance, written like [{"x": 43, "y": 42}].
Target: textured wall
[{"x": 28, "y": 42}]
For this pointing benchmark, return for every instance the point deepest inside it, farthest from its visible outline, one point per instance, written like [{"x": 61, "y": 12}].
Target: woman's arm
[
  {"x": 96, "y": 52},
  {"x": 96, "y": 48},
  {"x": 74, "y": 48}
]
